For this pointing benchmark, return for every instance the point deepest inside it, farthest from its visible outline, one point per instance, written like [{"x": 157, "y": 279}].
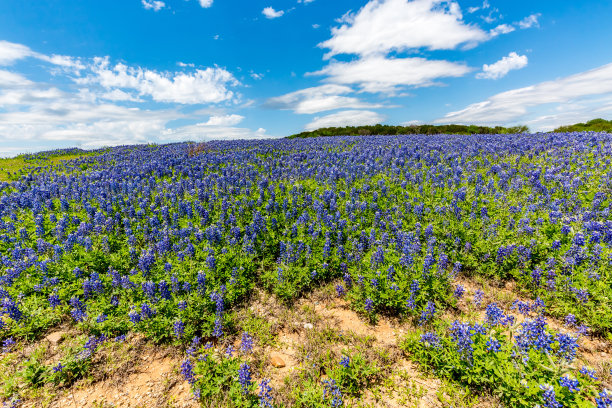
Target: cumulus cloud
[
  {"x": 269, "y": 12},
  {"x": 382, "y": 26},
  {"x": 346, "y": 118},
  {"x": 503, "y": 66},
  {"x": 206, "y": 3},
  {"x": 154, "y": 5},
  {"x": 378, "y": 74},
  {"x": 566, "y": 97},
  {"x": 99, "y": 108},
  {"x": 210, "y": 85},
  {"x": 319, "y": 99}
]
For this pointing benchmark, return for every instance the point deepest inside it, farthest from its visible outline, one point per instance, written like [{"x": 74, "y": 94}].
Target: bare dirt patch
[{"x": 131, "y": 375}]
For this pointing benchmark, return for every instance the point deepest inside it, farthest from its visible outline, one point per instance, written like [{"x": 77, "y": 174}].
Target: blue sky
[{"x": 90, "y": 74}]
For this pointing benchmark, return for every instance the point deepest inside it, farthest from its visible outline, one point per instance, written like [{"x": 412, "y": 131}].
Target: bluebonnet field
[{"x": 168, "y": 241}]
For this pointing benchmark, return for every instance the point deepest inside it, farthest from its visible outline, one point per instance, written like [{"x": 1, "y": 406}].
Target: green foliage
[
  {"x": 218, "y": 381},
  {"x": 595, "y": 125},
  {"x": 410, "y": 130},
  {"x": 513, "y": 375},
  {"x": 73, "y": 369},
  {"x": 13, "y": 168},
  {"x": 34, "y": 372},
  {"x": 358, "y": 375}
]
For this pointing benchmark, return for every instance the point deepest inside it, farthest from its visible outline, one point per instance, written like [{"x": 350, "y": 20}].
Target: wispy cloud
[
  {"x": 572, "y": 95},
  {"x": 11, "y": 52},
  {"x": 319, "y": 99},
  {"x": 501, "y": 29},
  {"x": 530, "y": 21}
]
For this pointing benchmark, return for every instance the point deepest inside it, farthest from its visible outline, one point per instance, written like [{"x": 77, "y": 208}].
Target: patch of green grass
[{"x": 13, "y": 168}]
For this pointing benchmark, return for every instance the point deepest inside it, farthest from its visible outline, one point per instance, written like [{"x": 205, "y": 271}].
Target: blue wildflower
[
  {"x": 459, "y": 291},
  {"x": 244, "y": 377},
  {"x": 265, "y": 396},
  {"x": 332, "y": 391},
  {"x": 179, "y": 329},
  {"x": 369, "y": 305},
  {"x": 187, "y": 371},
  {"x": 571, "y": 384},
  {"x": 430, "y": 339},
  {"x": 345, "y": 361},
  {"x": 549, "y": 397},
  {"x": 493, "y": 345},
  {"x": 246, "y": 343}
]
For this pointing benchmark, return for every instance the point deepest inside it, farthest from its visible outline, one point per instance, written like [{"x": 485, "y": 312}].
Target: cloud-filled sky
[{"x": 91, "y": 74}]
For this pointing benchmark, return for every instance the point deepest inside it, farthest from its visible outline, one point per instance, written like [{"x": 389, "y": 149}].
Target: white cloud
[
  {"x": 305, "y": 1},
  {"x": 225, "y": 120},
  {"x": 154, "y": 5},
  {"x": 86, "y": 113},
  {"x": 269, "y": 12},
  {"x": 315, "y": 26},
  {"x": 28, "y": 95},
  {"x": 10, "y": 79},
  {"x": 208, "y": 85},
  {"x": 202, "y": 131},
  {"x": 382, "y": 26},
  {"x": 530, "y": 21},
  {"x": 379, "y": 74},
  {"x": 521, "y": 105},
  {"x": 74, "y": 64},
  {"x": 580, "y": 110},
  {"x": 318, "y": 99},
  {"x": 119, "y": 95},
  {"x": 11, "y": 52},
  {"x": 503, "y": 66},
  {"x": 501, "y": 29},
  {"x": 206, "y": 3},
  {"x": 346, "y": 118},
  {"x": 69, "y": 118},
  {"x": 52, "y": 118},
  {"x": 485, "y": 5},
  {"x": 412, "y": 123}
]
